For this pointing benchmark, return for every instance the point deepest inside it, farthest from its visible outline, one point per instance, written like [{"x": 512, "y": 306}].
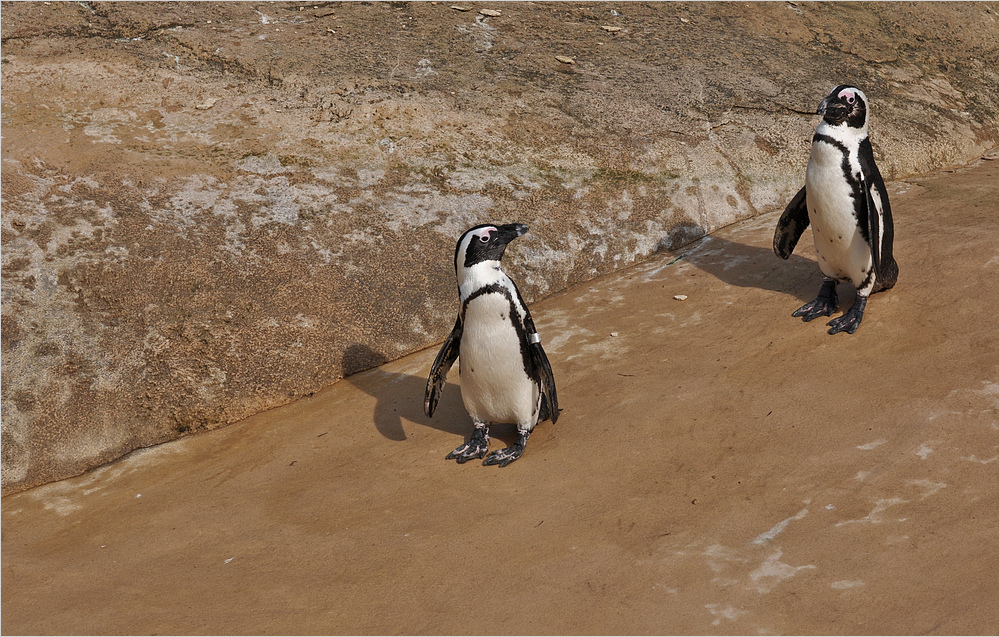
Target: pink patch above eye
[
  {"x": 849, "y": 95},
  {"x": 484, "y": 234}
]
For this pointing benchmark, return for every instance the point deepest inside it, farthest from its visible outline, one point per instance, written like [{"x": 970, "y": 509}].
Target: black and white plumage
[
  {"x": 505, "y": 375},
  {"x": 846, "y": 202}
]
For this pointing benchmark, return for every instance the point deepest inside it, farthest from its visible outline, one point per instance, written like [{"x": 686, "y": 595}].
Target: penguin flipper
[
  {"x": 546, "y": 383},
  {"x": 880, "y": 234},
  {"x": 439, "y": 370},
  {"x": 874, "y": 224},
  {"x": 792, "y": 223},
  {"x": 880, "y": 229}
]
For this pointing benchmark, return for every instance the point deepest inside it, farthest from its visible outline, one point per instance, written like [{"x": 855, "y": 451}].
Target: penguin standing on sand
[
  {"x": 505, "y": 375},
  {"x": 845, "y": 200}
]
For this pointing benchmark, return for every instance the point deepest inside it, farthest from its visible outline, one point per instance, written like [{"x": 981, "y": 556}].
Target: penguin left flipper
[
  {"x": 546, "y": 383},
  {"x": 886, "y": 270},
  {"x": 880, "y": 228},
  {"x": 792, "y": 223},
  {"x": 439, "y": 370},
  {"x": 874, "y": 230}
]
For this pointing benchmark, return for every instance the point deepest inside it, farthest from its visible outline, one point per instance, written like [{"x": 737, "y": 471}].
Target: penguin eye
[
  {"x": 485, "y": 238},
  {"x": 850, "y": 99}
]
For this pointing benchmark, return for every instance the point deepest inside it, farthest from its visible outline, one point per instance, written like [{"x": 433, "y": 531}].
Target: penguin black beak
[
  {"x": 511, "y": 231},
  {"x": 832, "y": 110}
]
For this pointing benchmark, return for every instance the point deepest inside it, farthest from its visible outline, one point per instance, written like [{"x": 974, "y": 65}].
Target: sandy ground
[{"x": 719, "y": 467}]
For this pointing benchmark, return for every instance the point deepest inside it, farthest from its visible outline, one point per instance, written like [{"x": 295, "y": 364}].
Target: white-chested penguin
[
  {"x": 505, "y": 375},
  {"x": 846, "y": 202}
]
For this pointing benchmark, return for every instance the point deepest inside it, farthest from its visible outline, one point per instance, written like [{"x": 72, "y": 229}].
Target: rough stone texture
[{"x": 211, "y": 209}]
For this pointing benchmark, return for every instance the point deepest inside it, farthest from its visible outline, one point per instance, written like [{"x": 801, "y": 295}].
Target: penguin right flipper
[
  {"x": 439, "y": 370},
  {"x": 792, "y": 223}
]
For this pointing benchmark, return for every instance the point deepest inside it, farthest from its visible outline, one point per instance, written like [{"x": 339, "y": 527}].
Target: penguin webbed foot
[
  {"x": 851, "y": 320},
  {"x": 824, "y": 304},
  {"x": 477, "y": 447},
  {"x": 504, "y": 457}
]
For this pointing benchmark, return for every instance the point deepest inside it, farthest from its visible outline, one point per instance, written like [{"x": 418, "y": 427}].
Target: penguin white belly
[
  {"x": 843, "y": 253},
  {"x": 495, "y": 386}
]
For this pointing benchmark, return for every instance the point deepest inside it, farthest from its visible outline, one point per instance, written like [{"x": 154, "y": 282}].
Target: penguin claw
[
  {"x": 504, "y": 457},
  {"x": 851, "y": 320},
  {"x": 844, "y": 323},
  {"x": 820, "y": 306},
  {"x": 475, "y": 448},
  {"x": 824, "y": 304},
  {"x": 815, "y": 309}
]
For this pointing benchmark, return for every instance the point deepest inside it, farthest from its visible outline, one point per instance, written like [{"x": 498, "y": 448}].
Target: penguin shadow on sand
[
  {"x": 749, "y": 266},
  {"x": 400, "y": 397}
]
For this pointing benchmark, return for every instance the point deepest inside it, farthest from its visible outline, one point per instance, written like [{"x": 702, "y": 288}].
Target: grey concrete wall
[{"x": 209, "y": 209}]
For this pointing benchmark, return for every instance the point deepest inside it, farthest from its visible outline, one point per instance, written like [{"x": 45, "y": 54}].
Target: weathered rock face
[{"x": 209, "y": 209}]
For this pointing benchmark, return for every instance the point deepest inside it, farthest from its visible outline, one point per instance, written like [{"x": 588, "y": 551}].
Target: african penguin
[
  {"x": 846, "y": 202},
  {"x": 505, "y": 375}
]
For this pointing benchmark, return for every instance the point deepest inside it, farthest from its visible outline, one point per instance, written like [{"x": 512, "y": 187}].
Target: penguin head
[
  {"x": 845, "y": 104},
  {"x": 484, "y": 243}
]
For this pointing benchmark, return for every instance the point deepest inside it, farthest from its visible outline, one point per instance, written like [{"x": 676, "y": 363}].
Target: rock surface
[
  {"x": 720, "y": 468},
  {"x": 210, "y": 209}
]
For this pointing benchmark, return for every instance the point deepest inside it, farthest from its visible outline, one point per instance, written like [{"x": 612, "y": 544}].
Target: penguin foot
[
  {"x": 477, "y": 447},
  {"x": 504, "y": 457},
  {"x": 824, "y": 304},
  {"x": 851, "y": 320}
]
